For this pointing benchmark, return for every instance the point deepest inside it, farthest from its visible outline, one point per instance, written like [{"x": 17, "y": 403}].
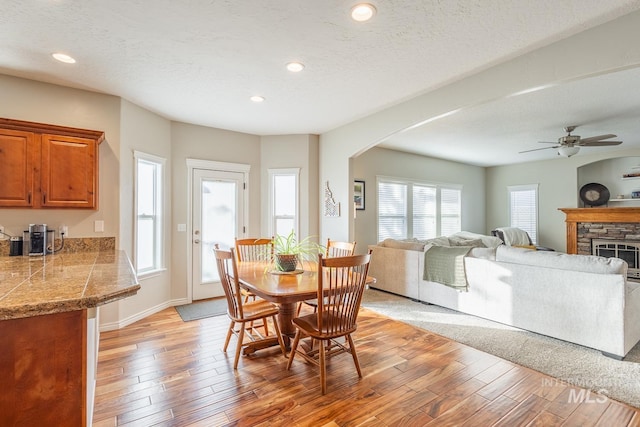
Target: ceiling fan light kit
[
  {"x": 569, "y": 145},
  {"x": 567, "y": 151}
]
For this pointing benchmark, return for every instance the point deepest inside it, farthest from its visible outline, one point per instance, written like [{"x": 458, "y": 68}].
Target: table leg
[{"x": 285, "y": 316}]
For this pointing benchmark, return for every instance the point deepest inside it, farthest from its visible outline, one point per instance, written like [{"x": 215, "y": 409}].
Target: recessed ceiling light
[
  {"x": 295, "y": 67},
  {"x": 362, "y": 12},
  {"x": 63, "y": 58},
  {"x": 257, "y": 98}
]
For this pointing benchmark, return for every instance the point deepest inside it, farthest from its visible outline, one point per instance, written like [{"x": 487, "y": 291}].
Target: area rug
[
  {"x": 568, "y": 363},
  {"x": 202, "y": 309}
]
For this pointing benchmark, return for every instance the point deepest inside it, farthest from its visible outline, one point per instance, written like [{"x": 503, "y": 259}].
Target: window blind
[
  {"x": 450, "y": 210},
  {"x": 392, "y": 210},
  {"x": 424, "y": 212},
  {"x": 523, "y": 206},
  {"x": 418, "y": 210}
]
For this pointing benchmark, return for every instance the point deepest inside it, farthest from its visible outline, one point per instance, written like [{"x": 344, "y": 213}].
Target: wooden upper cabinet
[
  {"x": 48, "y": 166},
  {"x": 68, "y": 173},
  {"x": 17, "y": 168}
]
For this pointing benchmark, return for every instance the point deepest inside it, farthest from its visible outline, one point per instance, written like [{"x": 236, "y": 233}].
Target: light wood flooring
[{"x": 163, "y": 371}]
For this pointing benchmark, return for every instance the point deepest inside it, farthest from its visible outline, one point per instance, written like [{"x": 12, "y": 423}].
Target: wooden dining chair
[
  {"x": 338, "y": 249},
  {"x": 243, "y": 314},
  {"x": 334, "y": 249},
  {"x": 253, "y": 249},
  {"x": 341, "y": 283}
]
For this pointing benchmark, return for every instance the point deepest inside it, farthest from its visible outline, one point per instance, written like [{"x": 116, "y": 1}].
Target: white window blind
[
  {"x": 420, "y": 210},
  {"x": 392, "y": 210},
  {"x": 425, "y": 207},
  {"x": 450, "y": 210},
  {"x": 523, "y": 209}
]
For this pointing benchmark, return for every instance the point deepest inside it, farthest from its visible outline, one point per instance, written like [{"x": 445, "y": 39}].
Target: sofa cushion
[
  {"x": 562, "y": 261},
  {"x": 483, "y": 253},
  {"x": 472, "y": 243},
  {"x": 489, "y": 241},
  {"x": 408, "y": 244},
  {"x": 437, "y": 241}
]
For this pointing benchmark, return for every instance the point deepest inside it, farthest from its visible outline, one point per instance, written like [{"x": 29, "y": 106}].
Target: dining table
[{"x": 285, "y": 289}]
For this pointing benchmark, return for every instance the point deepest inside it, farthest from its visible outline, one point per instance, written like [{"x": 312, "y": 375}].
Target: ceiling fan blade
[
  {"x": 597, "y": 138},
  {"x": 598, "y": 143},
  {"x": 537, "y": 149},
  {"x": 547, "y": 142}
]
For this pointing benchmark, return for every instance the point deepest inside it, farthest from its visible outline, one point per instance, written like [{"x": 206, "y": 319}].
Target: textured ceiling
[{"x": 199, "y": 62}]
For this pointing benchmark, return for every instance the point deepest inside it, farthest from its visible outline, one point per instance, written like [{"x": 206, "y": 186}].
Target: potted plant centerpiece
[{"x": 289, "y": 251}]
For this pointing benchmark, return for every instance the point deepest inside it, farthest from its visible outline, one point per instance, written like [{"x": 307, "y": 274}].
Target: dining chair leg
[
  {"x": 323, "y": 367},
  {"x": 352, "y": 349},
  {"x": 229, "y": 333},
  {"x": 279, "y": 335},
  {"x": 239, "y": 346},
  {"x": 294, "y": 347}
]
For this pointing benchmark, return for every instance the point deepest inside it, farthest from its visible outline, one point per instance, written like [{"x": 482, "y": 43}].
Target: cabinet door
[
  {"x": 69, "y": 176},
  {"x": 17, "y": 159}
]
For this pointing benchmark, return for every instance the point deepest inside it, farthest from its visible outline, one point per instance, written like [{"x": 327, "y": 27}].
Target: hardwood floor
[{"x": 163, "y": 371}]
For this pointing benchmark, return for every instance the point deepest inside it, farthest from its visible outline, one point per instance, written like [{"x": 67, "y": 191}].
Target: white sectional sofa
[{"x": 583, "y": 299}]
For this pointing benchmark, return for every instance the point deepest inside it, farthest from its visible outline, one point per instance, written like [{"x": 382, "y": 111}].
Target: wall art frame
[{"x": 359, "y": 195}]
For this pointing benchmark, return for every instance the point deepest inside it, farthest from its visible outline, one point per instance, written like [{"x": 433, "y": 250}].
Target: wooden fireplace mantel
[{"x": 577, "y": 215}]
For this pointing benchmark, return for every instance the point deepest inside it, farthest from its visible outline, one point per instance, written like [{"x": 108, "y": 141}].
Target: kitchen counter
[
  {"x": 49, "y": 333},
  {"x": 34, "y": 286}
]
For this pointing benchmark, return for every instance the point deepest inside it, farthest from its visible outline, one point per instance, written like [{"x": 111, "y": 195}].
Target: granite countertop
[{"x": 34, "y": 286}]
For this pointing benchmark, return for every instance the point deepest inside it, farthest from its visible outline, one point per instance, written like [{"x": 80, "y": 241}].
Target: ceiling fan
[{"x": 570, "y": 144}]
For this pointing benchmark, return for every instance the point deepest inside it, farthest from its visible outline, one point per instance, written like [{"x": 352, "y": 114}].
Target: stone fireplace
[
  {"x": 608, "y": 228},
  {"x": 585, "y": 224}
]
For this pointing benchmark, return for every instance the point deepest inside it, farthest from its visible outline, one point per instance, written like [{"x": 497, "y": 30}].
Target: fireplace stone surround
[{"x": 585, "y": 224}]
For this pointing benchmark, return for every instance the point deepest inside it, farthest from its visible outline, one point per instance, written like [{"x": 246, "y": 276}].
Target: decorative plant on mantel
[{"x": 289, "y": 251}]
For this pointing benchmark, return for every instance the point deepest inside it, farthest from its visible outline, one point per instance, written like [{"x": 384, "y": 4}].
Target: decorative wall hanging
[
  {"x": 358, "y": 195},
  {"x": 331, "y": 207}
]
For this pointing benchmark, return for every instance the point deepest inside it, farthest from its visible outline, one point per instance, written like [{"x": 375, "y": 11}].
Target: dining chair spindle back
[
  {"x": 334, "y": 249},
  {"x": 243, "y": 314},
  {"x": 341, "y": 283}
]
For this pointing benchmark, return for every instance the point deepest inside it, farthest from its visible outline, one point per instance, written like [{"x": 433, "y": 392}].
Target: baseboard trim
[
  {"x": 612, "y": 356},
  {"x": 141, "y": 315}
]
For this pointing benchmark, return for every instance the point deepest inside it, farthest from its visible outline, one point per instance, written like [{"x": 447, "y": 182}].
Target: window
[
  {"x": 523, "y": 209},
  {"x": 283, "y": 210},
  {"x": 420, "y": 210},
  {"x": 149, "y": 239}
]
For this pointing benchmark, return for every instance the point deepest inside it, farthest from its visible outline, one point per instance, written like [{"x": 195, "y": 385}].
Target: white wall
[
  {"x": 141, "y": 130},
  {"x": 606, "y": 48},
  {"x": 23, "y": 99},
  {"x": 380, "y": 161}
]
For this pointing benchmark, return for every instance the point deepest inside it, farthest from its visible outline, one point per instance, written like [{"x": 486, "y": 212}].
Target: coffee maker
[{"x": 37, "y": 239}]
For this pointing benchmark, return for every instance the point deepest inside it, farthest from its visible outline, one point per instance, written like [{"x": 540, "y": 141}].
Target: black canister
[{"x": 15, "y": 246}]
